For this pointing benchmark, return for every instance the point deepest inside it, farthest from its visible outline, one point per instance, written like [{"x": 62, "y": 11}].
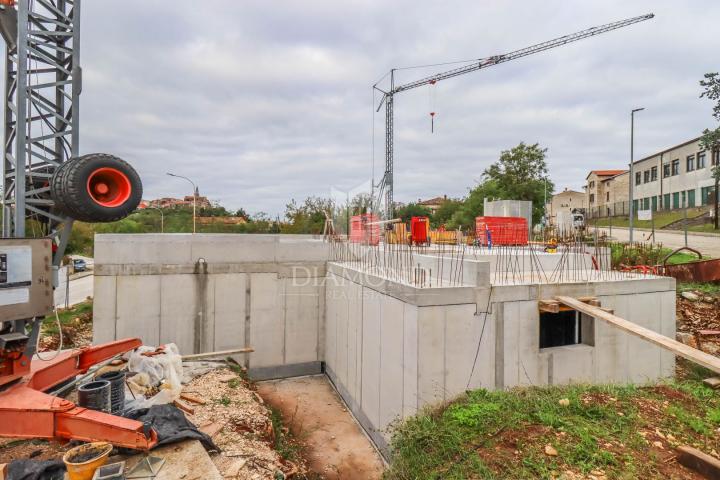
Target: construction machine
[{"x": 46, "y": 186}]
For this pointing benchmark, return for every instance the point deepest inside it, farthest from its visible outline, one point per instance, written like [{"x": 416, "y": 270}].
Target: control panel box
[{"x": 25, "y": 278}]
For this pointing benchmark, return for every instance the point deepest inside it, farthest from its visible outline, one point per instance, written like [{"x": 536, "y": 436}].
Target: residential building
[
  {"x": 670, "y": 179},
  {"x": 187, "y": 201},
  {"x": 433, "y": 204},
  {"x": 565, "y": 201},
  {"x": 680, "y": 176},
  {"x": 604, "y": 187}
]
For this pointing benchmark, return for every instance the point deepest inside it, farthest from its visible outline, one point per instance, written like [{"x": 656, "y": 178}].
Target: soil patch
[{"x": 334, "y": 444}]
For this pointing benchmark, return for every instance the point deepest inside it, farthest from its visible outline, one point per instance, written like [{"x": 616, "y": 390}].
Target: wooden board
[
  {"x": 186, "y": 460},
  {"x": 704, "y": 464},
  {"x": 701, "y": 358}
]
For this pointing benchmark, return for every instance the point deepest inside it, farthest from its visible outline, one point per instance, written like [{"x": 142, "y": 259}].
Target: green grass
[
  {"x": 662, "y": 219},
  {"x": 706, "y": 288},
  {"x": 647, "y": 254},
  {"x": 503, "y": 434},
  {"x": 83, "y": 309}
]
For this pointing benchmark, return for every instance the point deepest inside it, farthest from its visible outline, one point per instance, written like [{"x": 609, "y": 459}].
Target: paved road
[
  {"x": 80, "y": 289},
  {"x": 706, "y": 244}
]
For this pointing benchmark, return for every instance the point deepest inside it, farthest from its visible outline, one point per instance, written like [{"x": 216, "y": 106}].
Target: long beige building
[{"x": 674, "y": 178}]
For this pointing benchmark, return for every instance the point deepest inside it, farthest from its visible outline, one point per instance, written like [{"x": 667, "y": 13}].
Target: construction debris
[{"x": 242, "y": 426}]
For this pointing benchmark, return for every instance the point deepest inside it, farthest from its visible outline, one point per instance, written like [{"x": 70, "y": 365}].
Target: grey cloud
[{"x": 261, "y": 102}]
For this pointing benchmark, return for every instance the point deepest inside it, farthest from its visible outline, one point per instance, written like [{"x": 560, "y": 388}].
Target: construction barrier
[
  {"x": 501, "y": 231},
  {"x": 365, "y": 229}
]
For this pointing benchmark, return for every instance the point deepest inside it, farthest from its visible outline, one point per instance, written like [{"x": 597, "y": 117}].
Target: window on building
[
  {"x": 592, "y": 184},
  {"x": 691, "y": 198},
  {"x": 607, "y": 196},
  {"x": 675, "y": 167},
  {"x": 638, "y": 178},
  {"x": 716, "y": 157},
  {"x": 700, "y": 160},
  {"x": 592, "y": 198},
  {"x": 705, "y": 195},
  {"x": 653, "y": 174},
  {"x": 666, "y": 170},
  {"x": 565, "y": 328},
  {"x": 690, "y": 163},
  {"x": 646, "y": 176}
]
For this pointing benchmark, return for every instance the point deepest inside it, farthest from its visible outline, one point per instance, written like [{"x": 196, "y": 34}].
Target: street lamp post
[
  {"x": 195, "y": 192},
  {"x": 632, "y": 168},
  {"x": 162, "y": 218}
]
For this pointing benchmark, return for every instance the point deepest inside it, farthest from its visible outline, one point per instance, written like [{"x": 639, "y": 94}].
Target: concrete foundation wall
[
  {"x": 216, "y": 292},
  {"x": 390, "y": 351},
  {"x": 390, "y": 348}
]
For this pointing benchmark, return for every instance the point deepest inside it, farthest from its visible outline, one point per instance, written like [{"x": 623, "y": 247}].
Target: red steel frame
[{"x": 27, "y": 412}]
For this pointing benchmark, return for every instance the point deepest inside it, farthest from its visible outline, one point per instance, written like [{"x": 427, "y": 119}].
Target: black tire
[{"x": 70, "y": 189}]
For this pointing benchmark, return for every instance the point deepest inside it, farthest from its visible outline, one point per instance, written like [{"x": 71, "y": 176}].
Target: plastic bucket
[
  {"x": 117, "y": 389},
  {"x": 95, "y": 395},
  {"x": 82, "y": 461}
]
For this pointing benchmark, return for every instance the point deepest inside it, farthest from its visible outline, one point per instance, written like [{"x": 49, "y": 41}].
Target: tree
[
  {"x": 710, "y": 139},
  {"x": 406, "y": 212},
  {"x": 447, "y": 209},
  {"x": 519, "y": 174},
  {"x": 308, "y": 217},
  {"x": 242, "y": 213}
]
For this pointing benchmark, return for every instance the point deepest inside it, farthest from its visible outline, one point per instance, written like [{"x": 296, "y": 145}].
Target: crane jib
[{"x": 472, "y": 66}]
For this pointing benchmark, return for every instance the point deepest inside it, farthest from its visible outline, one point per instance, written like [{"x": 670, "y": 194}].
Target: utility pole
[
  {"x": 195, "y": 194},
  {"x": 632, "y": 168},
  {"x": 162, "y": 218}
]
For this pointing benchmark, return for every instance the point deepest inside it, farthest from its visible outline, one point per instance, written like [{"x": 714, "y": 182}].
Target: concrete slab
[
  {"x": 391, "y": 360},
  {"x": 187, "y": 460},
  {"x": 104, "y": 314},
  {"x": 138, "y": 308},
  {"x": 229, "y": 311},
  {"x": 370, "y": 383},
  {"x": 431, "y": 355},
  {"x": 266, "y": 320}
]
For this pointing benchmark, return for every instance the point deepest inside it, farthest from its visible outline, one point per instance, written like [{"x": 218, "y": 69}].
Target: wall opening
[{"x": 567, "y": 327}]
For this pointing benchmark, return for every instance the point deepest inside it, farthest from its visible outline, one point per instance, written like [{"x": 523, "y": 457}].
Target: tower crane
[
  {"x": 386, "y": 184},
  {"x": 46, "y": 186}
]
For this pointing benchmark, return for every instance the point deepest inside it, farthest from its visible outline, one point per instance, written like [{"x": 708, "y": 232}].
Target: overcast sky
[{"x": 260, "y": 102}]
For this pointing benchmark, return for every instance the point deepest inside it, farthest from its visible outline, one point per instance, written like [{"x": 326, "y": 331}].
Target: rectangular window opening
[{"x": 567, "y": 327}]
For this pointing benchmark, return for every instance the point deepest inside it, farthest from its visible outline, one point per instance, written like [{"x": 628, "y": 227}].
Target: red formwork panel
[
  {"x": 502, "y": 230},
  {"x": 420, "y": 230},
  {"x": 365, "y": 229}
]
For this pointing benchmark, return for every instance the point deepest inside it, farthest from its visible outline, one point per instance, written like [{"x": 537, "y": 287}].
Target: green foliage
[
  {"x": 308, "y": 217},
  {"x": 410, "y": 210},
  {"x": 519, "y": 174},
  {"x": 443, "y": 214},
  {"x": 502, "y": 434}
]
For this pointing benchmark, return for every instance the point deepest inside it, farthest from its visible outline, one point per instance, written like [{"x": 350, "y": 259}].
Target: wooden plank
[
  {"x": 704, "y": 464},
  {"x": 221, "y": 353},
  {"x": 192, "y": 398},
  {"x": 712, "y": 382},
  {"x": 187, "y": 460},
  {"x": 549, "y": 306},
  {"x": 701, "y": 358},
  {"x": 184, "y": 407}
]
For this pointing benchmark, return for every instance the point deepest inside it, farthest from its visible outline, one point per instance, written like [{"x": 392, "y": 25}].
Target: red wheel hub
[{"x": 109, "y": 187}]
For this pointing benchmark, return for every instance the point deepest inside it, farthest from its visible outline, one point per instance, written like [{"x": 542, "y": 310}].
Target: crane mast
[
  {"x": 42, "y": 89},
  {"x": 385, "y": 187}
]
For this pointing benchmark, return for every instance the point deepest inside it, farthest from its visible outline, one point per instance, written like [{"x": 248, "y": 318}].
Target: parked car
[{"x": 79, "y": 265}]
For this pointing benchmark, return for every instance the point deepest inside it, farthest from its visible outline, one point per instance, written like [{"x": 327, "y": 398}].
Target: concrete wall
[
  {"x": 210, "y": 292},
  {"x": 391, "y": 349}
]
